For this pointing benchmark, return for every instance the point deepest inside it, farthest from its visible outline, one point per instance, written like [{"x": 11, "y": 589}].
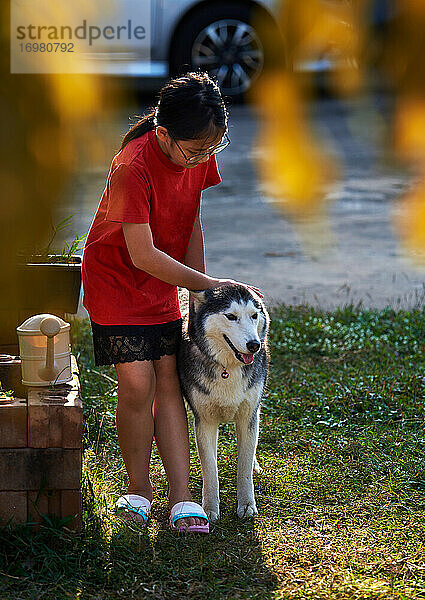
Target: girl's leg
[
  {"x": 136, "y": 389},
  {"x": 171, "y": 433}
]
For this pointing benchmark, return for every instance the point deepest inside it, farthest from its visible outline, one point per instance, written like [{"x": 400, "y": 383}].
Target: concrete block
[
  {"x": 13, "y": 505},
  {"x": 55, "y": 415},
  {"x": 13, "y": 423},
  {"x": 25, "y": 469}
]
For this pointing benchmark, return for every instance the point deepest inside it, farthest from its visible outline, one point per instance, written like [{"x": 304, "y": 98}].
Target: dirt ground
[{"x": 355, "y": 256}]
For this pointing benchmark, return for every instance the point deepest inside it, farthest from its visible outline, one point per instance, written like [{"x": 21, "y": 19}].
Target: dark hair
[{"x": 189, "y": 107}]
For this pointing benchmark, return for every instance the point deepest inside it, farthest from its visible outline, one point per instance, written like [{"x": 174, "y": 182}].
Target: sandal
[
  {"x": 133, "y": 508},
  {"x": 188, "y": 509}
]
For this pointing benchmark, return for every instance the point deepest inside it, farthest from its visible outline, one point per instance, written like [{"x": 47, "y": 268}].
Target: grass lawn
[{"x": 341, "y": 497}]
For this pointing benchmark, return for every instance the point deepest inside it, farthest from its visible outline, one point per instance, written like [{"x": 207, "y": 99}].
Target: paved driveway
[{"x": 249, "y": 240}]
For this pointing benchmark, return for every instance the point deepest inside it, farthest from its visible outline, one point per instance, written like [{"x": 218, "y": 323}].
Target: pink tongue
[{"x": 247, "y": 358}]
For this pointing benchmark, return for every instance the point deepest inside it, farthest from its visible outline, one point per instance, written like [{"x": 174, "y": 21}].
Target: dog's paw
[
  {"x": 247, "y": 510},
  {"x": 212, "y": 514}
]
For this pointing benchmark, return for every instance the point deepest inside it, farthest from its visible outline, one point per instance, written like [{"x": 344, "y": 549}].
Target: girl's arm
[
  {"x": 195, "y": 255},
  {"x": 147, "y": 257}
]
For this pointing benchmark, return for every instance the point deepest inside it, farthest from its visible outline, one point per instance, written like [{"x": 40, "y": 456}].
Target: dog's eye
[
  {"x": 254, "y": 316},
  {"x": 232, "y": 317}
]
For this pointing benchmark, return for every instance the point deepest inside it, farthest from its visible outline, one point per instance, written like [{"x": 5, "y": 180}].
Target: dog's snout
[{"x": 253, "y": 345}]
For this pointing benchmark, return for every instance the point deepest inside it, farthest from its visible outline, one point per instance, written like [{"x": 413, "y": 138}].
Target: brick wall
[{"x": 41, "y": 454}]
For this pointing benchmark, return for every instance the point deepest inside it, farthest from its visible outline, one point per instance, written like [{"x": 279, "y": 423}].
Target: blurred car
[
  {"x": 222, "y": 38},
  {"x": 231, "y": 40},
  {"x": 216, "y": 36}
]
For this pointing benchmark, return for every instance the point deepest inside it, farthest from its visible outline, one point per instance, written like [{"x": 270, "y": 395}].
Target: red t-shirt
[{"x": 143, "y": 186}]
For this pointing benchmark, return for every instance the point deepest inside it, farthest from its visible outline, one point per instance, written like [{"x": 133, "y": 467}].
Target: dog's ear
[
  {"x": 254, "y": 293},
  {"x": 198, "y": 296}
]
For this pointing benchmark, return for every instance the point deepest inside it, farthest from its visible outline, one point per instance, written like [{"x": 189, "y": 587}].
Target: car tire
[{"x": 233, "y": 42}]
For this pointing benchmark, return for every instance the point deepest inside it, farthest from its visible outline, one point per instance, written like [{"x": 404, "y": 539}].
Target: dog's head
[{"x": 229, "y": 323}]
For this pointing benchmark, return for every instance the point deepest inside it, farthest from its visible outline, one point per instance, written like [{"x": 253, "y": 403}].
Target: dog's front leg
[
  {"x": 206, "y": 442},
  {"x": 247, "y": 434}
]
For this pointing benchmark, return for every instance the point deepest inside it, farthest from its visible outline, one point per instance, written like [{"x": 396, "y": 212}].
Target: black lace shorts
[{"x": 126, "y": 343}]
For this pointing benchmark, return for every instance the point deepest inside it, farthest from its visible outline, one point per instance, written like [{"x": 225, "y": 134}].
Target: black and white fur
[{"x": 226, "y": 334}]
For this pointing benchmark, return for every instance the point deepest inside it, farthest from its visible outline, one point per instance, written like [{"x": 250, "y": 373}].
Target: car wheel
[{"x": 224, "y": 40}]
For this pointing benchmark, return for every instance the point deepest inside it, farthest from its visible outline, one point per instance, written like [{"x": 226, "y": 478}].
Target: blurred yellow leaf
[
  {"x": 294, "y": 171},
  {"x": 409, "y": 128},
  {"x": 410, "y": 222}
]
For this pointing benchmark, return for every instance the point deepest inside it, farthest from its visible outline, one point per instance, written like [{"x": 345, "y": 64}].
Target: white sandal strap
[
  {"x": 187, "y": 509},
  {"x": 133, "y": 502}
]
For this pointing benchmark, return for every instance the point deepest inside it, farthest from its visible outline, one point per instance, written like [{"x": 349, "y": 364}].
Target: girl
[{"x": 145, "y": 240}]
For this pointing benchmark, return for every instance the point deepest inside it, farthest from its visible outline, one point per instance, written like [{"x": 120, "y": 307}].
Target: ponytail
[
  {"x": 146, "y": 123},
  {"x": 189, "y": 107}
]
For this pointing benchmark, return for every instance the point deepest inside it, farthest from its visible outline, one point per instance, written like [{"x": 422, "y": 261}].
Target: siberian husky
[{"x": 222, "y": 365}]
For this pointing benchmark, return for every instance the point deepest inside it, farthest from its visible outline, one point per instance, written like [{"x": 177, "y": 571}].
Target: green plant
[
  {"x": 70, "y": 249},
  {"x": 44, "y": 253}
]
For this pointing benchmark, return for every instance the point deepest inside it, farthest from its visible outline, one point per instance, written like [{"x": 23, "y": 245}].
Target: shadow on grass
[
  {"x": 340, "y": 499},
  {"x": 110, "y": 559},
  {"x": 227, "y": 563}
]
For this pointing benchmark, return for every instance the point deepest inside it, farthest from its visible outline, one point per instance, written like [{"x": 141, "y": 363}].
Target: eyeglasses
[{"x": 195, "y": 158}]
